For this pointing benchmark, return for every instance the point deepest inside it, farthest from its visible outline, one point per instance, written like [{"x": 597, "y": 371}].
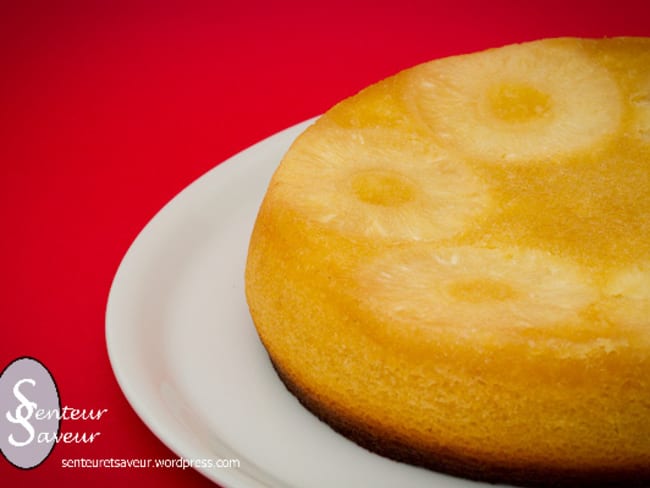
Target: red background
[{"x": 108, "y": 109}]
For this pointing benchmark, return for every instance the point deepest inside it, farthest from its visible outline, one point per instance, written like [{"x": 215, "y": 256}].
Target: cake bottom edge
[{"x": 445, "y": 461}]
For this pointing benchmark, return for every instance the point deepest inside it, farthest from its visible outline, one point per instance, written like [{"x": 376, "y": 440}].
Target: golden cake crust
[
  {"x": 442, "y": 459},
  {"x": 452, "y": 268}
]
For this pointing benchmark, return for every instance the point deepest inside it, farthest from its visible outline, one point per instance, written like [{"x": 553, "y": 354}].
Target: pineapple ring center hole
[
  {"x": 518, "y": 102},
  {"x": 481, "y": 290},
  {"x": 383, "y": 188}
]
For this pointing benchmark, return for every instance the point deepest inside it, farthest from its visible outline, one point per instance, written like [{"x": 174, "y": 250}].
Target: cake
[{"x": 451, "y": 268}]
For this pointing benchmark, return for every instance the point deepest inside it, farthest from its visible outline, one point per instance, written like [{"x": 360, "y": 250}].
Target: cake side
[{"x": 443, "y": 459}]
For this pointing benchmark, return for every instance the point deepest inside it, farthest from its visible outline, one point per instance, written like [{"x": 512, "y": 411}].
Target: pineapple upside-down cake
[{"x": 452, "y": 267}]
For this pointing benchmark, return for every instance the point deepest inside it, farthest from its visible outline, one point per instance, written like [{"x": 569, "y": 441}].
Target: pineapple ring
[
  {"x": 475, "y": 289},
  {"x": 518, "y": 103},
  {"x": 368, "y": 183}
]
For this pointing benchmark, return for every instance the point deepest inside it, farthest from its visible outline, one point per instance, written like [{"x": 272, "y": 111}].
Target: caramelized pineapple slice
[
  {"x": 474, "y": 289},
  {"x": 379, "y": 184},
  {"x": 518, "y": 103}
]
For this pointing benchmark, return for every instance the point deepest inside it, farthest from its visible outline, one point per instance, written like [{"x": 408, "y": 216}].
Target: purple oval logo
[{"x": 29, "y": 413}]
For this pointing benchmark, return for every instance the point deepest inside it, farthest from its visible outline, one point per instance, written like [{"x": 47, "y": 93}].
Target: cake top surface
[{"x": 529, "y": 163}]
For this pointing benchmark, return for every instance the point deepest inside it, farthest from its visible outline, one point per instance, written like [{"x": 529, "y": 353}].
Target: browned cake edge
[{"x": 456, "y": 464}]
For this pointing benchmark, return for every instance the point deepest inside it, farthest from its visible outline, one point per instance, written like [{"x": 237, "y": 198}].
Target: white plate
[{"x": 186, "y": 355}]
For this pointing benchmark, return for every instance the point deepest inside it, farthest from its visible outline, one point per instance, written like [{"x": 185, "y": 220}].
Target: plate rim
[{"x": 112, "y": 331}]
